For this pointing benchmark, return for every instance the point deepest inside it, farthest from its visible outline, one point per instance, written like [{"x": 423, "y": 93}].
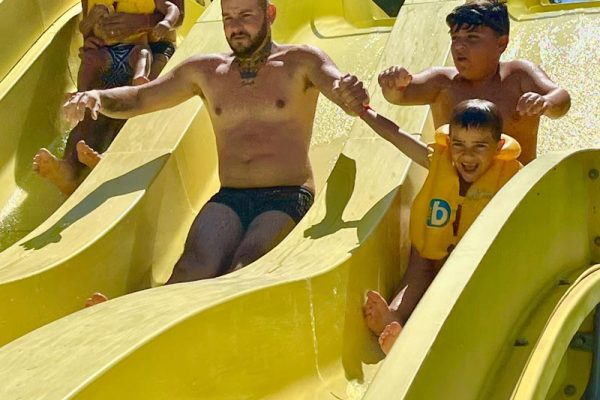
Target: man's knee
[
  {"x": 190, "y": 267},
  {"x": 247, "y": 254}
]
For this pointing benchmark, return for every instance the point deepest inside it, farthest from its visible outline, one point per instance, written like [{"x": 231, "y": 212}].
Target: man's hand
[
  {"x": 351, "y": 92},
  {"x": 532, "y": 104},
  {"x": 74, "y": 109},
  {"x": 395, "y": 78},
  {"x": 161, "y": 30}
]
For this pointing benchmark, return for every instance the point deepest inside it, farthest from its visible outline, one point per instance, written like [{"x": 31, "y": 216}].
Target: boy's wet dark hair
[
  {"x": 478, "y": 114},
  {"x": 490, "y": 13}
]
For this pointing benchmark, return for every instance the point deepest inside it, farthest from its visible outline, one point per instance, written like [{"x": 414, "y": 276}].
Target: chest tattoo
[{"x": 250, "y": 66}]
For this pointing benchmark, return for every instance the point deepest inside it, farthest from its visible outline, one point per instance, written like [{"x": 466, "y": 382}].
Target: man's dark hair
[
  {"x": 490, "y": 13},
  {"x": 263, "y": 4},
  {"x": 478, "y": 114}
]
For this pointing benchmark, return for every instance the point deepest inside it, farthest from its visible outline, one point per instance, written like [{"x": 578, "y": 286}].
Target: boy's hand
[
  {"x": 74, "y": 109},
  {"x": 351, "y": 92},
  {"x": 532, "y": 104},
  {"x": 395, "y": 77},
  {"x": 161, "y": 30}
]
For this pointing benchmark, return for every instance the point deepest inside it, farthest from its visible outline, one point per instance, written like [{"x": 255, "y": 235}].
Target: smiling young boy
[
  {"x": 467, "y": 167},
  {"x": 520, "y": 89}
]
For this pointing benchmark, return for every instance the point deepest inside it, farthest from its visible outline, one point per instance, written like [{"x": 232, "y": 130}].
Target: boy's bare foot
[
  {"x": 96, "y": 298},
  {"x": 388, "y": 336},
  {"x": 139, "y": 80},
  {"x": 57, "y": 171},
  {"x": 377, "y": 312},
  {"x": 87, "y": 155}
]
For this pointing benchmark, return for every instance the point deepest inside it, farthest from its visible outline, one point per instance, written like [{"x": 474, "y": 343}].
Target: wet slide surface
[{"x": 290, "y": 325}]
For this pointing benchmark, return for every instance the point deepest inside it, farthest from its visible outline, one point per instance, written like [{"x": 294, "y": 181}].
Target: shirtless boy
[
  {"x": 520, "y": 89},
  {"x": 261, "y": 99}
]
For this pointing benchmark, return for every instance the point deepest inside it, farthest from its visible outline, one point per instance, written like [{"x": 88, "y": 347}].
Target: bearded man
[{"x": 261, "y": 98}]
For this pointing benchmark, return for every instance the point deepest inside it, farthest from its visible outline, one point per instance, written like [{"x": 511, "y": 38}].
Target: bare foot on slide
[
  {"x": 94, "y": 299},
  {"x": 59, "y": 172},
  {"x": 388, "y": 336},
  {"x": 87, "y": 155},
  {"x": 377, "y": 312}
]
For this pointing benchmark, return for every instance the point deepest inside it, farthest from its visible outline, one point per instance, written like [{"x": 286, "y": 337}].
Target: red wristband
[{"x": 364, "y": 110}]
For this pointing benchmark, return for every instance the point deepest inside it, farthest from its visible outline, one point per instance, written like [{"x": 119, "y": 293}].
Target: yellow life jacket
[
  {"x": 434, "y": 210},
  {"x": 129, "y": 7}
]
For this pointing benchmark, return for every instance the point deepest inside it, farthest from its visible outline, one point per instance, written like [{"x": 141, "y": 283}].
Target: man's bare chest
[{"x": 274, "y": 89}]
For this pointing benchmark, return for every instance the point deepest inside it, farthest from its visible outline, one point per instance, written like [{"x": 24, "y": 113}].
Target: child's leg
[
  {"x": 93, "y": 64},
  {"x": 140, "y": 60},
  {"x": 419, "y": 275},
  {"x": 159, "y": 61}
]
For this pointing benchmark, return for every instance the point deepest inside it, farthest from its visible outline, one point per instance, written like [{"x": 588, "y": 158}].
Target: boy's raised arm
[
  {"x": 542, "y": 96},
  {"x": 400, "y": 87},
  {"x": 352, "y": 96},
  {"x": 412, "y": 147}
]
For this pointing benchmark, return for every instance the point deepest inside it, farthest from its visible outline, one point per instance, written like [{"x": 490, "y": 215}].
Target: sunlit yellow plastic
[
  {"x": 290, "y": 326},
  {"x": 571, "y": 312}
]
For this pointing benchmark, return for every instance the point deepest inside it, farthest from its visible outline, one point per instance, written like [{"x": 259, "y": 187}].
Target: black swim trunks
[
  {"x": 295, "y": 201},
  {"x": 121, "y": 72}
]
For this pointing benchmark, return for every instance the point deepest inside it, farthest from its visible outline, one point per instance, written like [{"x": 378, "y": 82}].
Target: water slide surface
[{"x": 290, "y": 325}]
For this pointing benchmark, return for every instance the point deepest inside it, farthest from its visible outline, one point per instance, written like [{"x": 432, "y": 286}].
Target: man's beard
[{"x": 255, "y": 44}]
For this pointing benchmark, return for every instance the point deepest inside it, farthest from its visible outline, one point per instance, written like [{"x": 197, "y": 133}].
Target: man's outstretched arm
[
  {"x": 325, "y": 75},
  {"x": 173, "y": 88}
]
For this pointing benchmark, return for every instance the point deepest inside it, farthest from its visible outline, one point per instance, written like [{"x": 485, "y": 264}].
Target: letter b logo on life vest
[{"x": 439, "y": 213}]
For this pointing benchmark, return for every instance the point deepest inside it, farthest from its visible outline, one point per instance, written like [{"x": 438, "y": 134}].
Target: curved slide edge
[
  {"x": 31, "y": 95},
  {"x": 30, "y": 104},
  {"x": 464, "y": 335},
  {"x": 30, "y": 19},
  {"x": 538, "y": 377}
]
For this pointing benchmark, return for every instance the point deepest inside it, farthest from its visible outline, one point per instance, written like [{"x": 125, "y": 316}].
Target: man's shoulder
[
  {"x": 301, "y": 52},
  {"x": 204, "y": 62},
  {"x": 213, "y": 58}
]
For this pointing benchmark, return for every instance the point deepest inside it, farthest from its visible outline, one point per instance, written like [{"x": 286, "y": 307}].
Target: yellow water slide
[
  {"x": 290, "y": 325},
  {"x": 39, "y": 66}
]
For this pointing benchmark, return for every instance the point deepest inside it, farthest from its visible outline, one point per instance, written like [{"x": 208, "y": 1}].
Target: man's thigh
[
  {"x": 212, "y": 240},
  {"x": 264, "y": 233}
]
